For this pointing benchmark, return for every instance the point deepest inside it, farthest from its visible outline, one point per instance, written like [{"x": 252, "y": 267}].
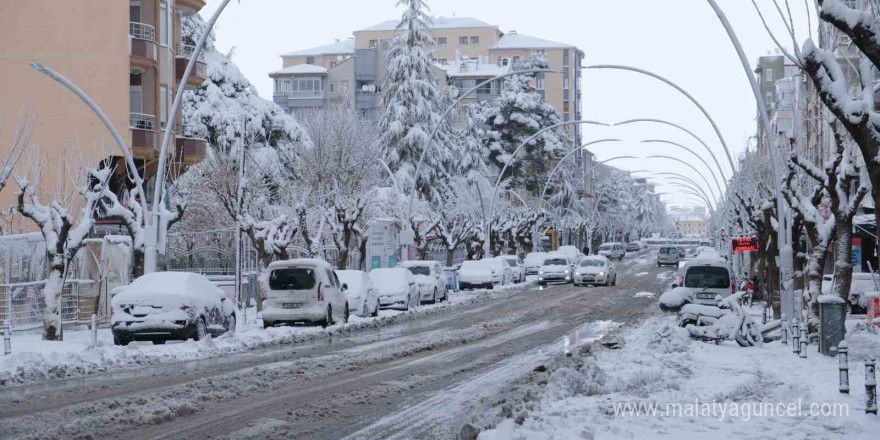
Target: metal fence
[{"x": 23, "y": 304}]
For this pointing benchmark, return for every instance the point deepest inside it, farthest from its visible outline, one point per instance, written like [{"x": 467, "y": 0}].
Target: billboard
[
  {"x": 383, "y": 245},
  {"x": 744, "y": 244}
]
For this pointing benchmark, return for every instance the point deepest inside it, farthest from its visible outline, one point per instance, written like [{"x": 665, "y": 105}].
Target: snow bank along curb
[{"x": 28, "y": 367}]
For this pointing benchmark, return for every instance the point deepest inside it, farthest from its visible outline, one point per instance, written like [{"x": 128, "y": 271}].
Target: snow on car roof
[
  {"x": 417, "y": 263},
  {"x": 300, "y": 262},
  {"x": 390, "y": 275},
  {"x": 596, "y": 257},
  {"x": 167, "y": 284}
]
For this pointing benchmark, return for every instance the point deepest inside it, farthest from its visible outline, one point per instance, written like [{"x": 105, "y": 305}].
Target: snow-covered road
[{"x": 416, "y": 378}]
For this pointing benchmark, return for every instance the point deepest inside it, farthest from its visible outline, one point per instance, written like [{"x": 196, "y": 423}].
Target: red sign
[{"x": 745, "y": 244}]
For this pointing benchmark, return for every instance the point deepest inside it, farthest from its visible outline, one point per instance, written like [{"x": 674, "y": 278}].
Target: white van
[
  {"x": 304, "y": 290},
  {"x": 708, "y": 279},
  {"x": 612, "y": 251}
]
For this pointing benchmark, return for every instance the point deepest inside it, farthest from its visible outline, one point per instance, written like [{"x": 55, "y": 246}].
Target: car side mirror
[
  {"x": 344, "y": 287},
  {"x": 674, "y": 285}
]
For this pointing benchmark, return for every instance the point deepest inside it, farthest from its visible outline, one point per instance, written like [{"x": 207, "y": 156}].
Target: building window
[
  {"x": 515, "y": 61},
  {"x": 565, "y": 106},
  {"x": 566, "y": 117},
  {"x": 463, "y": 41},
  {"x": 163, "y": 104},
  {"x": 305, "y": 88},
  {"x": 310, "y": 60},
  {"x": 333, "y": 64},
  {"x": 338, "y": 87},
  {"x": 541, "y": 83},
  {"x": 163, "y": 26},
  {"x": 565, "y": 57},
  {"x": 769, "y": 98},
  {"x": 503, "y": 61},
  {"x": 475, "y": 40},
  {"x": 374, "y": 44},
  {"x": 441, "y": 41},
  {"x": 443, "y": 61},
  {"x": 565, "y": 83},
  {"x": 768, "y": 75}
]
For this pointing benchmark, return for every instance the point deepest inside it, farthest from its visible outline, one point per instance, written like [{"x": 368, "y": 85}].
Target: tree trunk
[
  {"x": 52, "y": 295},
  {"x": 843, "y": 262},
  {"x": 450, "y": 253}
]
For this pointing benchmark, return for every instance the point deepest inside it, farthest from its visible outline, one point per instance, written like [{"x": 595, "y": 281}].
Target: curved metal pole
[
  {"x": 689, "y": 184},
  {"x": 700, "y": 140},
  {"x": 391, "y": 175},
  {"x": 688, "y": 190},
  {"x": 573, "y": 150},
  {"x": 712, "y": 172},
  {"x": 449, "y": 109},
  {"x": 126, "y": 152},
  {"x": 151, "y": 251},
  {"x": 708, "y": 185},
  {"x": 676, "y": 87},
  {"x": 512, "y": 156},
  {"x": 604, "y": 189},
  {"x": 685, "y": 178},
  {"x": 540, "y": 200}
]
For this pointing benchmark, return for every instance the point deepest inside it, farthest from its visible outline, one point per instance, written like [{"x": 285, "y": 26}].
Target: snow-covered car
[
  {"x": 533, "y": 262},
  {"x": 633, "y": 247},
  {"x": 481, "y": 273},
  {"x": 516, "y": 266},
  {"x": 861, "y": 283},
  {"x": 430, "y": 278},
  {"x": 397, "y": 288},
  {"x": 595, "y": 269},
  {"x": 170, "y": 305},
  {"x": 556, "y": 268},
  {"x": 708, "y": 279},
  {"x": 361, "y": 294},
  {"x": 573, "y": 253},
  {"x": 304, "y": 290},
  {"x": 612, "y": 251}
]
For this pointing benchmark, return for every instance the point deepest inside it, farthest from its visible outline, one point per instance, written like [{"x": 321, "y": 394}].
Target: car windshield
[
  {"x": 707, "y": 277},
  {"x": 511, "y": 263},
  {"x": 605, "y": 247},
  {"x": 292, "y": 278},
  {"x": 420, "y": 270},
  {"x": 592, "y": 263},
  {"x": 555, "y": 262},
  {"x": 668, "y": 250}
]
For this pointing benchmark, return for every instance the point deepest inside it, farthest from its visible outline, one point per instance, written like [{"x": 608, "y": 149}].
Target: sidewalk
[{"x": 659, "y": 368}]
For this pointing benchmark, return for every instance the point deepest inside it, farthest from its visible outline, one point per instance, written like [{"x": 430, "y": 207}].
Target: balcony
[
  {"x": 144, "y": 137},
  {"x": 189, "y": 7},
  {"x": 144, "y": 50},
  {"x": 191, "y": 143},
  {"x": 366, "y": 100},
  {"x": 200, "y": 69}
]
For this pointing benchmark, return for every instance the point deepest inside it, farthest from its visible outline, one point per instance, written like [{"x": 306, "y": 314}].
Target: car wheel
[
  {"x": 328, "y": 320},
  {"x": 120, "y": 341},
  {"x": 434, "y": 298},
  {"x": 365, "y": 310},
  {"x": 346, "y": 315},
  {"x": 201, "y": 329},
  {"x": 376, "y": 310},
  {"x": 230, "y": 324},
  {"x": 158, "y": 342}
]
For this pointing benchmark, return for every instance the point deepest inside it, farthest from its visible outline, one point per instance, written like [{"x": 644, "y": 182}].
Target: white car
[
  {"x": 556, "y": 268},
  {"x": 429, "y": 276},
  {"x": 708, "y": 279},
  {"x": 533, "y": 262},
  {"x": 862, "y": 282},
  {"x": 516, "y": 266},
  {"x": 574, "y": 254},
  {"x": 481, "y": 273},
  {"x": 612, "y": 251},
  {"x": 397, "y": 288},
  {"x": 170, "y": 305},
  {"x": 361, "y": 293},
  {"x": 595, "y": 270},
  {"x": 304, "y": 290}
]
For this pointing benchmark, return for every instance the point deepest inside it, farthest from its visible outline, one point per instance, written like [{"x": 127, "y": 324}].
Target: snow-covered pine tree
[
  {"x": 518, "y": 113},
  {"x": 411, "y": 105}
]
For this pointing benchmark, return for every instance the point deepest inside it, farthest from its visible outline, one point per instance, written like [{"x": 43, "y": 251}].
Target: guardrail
[
  {"x": 23, "y": 304},
  {"x": 142, "y": 121},
  {"x": 302, "y": 94},
  {"x": 142, "y": 31}
]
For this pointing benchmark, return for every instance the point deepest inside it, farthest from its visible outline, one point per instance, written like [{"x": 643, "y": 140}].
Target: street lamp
[
  {"x": 675, "y": 144},
  {"x": 682, "y": 177},
  {"x": 688, "y": 165}
]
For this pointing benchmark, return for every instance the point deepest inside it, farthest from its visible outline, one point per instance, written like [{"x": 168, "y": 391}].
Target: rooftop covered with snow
[
  {"x": 344, "y": 47},
  {"x": 435, "y": 23},
  {"x": 300, "y": 69},
  {"x": 514, "y": 40}
]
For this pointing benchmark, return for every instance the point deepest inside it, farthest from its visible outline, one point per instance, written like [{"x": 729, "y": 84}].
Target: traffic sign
[{"x": 744, "y": 244}]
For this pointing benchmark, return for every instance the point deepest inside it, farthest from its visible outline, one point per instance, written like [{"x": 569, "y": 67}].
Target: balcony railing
[
  {"x": 301, "y": 94},
  {"x": 142, "y": 121},
  {"x": 186, "y": 51},
  {"x": 192, "y": 131},
  {"x": 142, "y": 31}
]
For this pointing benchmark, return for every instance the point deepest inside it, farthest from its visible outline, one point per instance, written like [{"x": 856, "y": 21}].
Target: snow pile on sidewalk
[
  {"x": 608, "y": 393},
  {"x": 34, "y": 360}
]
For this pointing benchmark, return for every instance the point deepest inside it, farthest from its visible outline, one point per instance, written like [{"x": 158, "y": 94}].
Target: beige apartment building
[
  {"x": 467, "y": 52},
  {"x": 126, "y": 55}
]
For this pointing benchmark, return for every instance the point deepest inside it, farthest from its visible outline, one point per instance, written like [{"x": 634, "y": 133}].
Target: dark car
[{"x": 633, "y": 247}]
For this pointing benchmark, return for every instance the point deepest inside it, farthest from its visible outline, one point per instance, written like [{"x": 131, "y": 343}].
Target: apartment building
[
  {"x": 466, "y": 52},
  {"x": 692, "y": 226},
  {"x": 126, "y": 55}
]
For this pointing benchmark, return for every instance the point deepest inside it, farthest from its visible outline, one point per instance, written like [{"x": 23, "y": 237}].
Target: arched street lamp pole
[
  {"x": 702, "y": 176},
  {"x": 573, "y": 150},
  {"x": 595, "y": 205},
  {"x": 678, "y": 176},
  {"x": 711, "y": 171}
]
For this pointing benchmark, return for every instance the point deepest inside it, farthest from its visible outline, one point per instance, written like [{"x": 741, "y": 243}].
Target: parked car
[
  {"x": 556, "y": 268},
  {"x": 304, "y": 290},
  {"x": 170, "y": 305},
  {"x": 429, "y": 276},
  {"x": 533, "y": 262},
  {"x": 682, "y": 252},
  {"x": 361, "y": 293},
  {"x": 573, "y": 253},
  {"x": 861, "y": 282},
  {"x": 708, "y": 279},
  {"x": 397, "y": 288},
  {"x": 612, "y": 251},
  {"x": 668, "y": 256},
  {"x": 516, "y": 266},
  {"x": 595, "y": 269},
  {"x": 480, "y": 273},
  {"x": 633, "y": 247}
]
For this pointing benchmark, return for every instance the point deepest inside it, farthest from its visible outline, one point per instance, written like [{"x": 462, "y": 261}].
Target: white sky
[{"x": 681, "y": 40}]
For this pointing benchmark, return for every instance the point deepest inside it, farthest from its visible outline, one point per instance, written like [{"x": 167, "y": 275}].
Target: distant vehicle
[
  {"x": 705, "y": 243},
  {"x": 304, "y": 290},
  {"x": 612, "y": 251},
  {"x": 708, "y": 279},
  {"x": 668, "y": 256},
  {"x": 429, "y": 275},
  {"x": 573, "y": 253},
  {"x": 633, "y": 247},
  {"x": 682, "y": 252},
  {"x": 556, "y": 268},
  {"x": 397, "y": 288},
  {"x": 533, "y": 262},
  {"x": 595, "y": 269},
  {"x": 861, "y": 283},
  {"x": 516, "y": 265},
  {"x": 163, "y": 306},
  {"x": 362, "y": 295},
  {"x": 480, "y": 273},
  {"x": 709, "y": 254}
]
